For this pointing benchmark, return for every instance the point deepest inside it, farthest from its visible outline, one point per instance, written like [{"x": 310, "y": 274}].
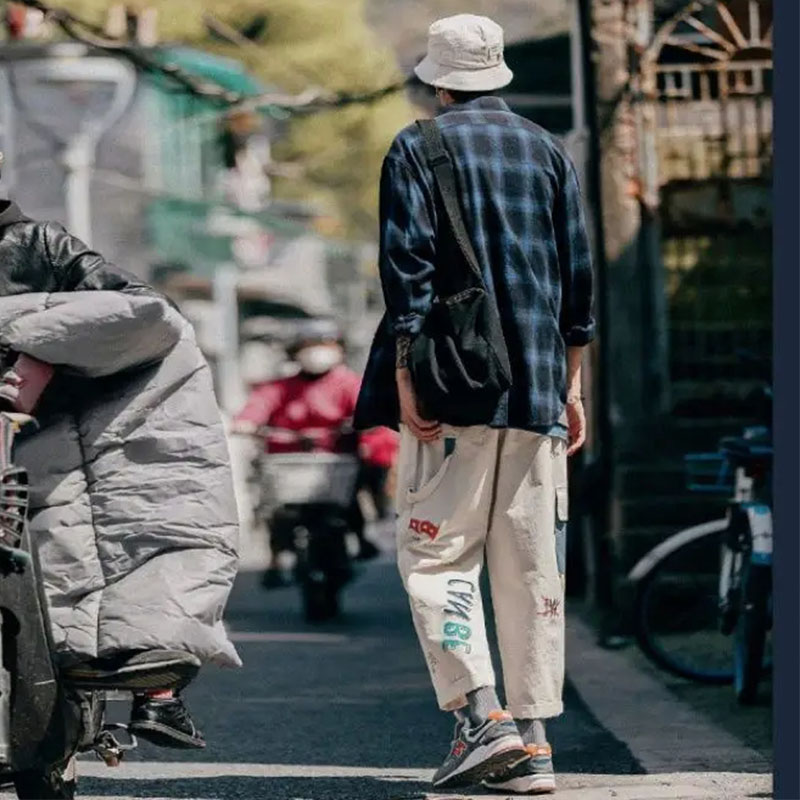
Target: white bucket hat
[{"x": 465, "y": 52}]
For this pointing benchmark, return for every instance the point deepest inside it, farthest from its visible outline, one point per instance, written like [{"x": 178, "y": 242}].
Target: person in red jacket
[
  {"x": 378, "y": 448},
  {"x": 318, "y": 402}
]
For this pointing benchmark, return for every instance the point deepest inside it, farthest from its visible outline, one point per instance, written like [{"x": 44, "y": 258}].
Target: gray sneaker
[
  {"x": 534, "y": 775},
  {"x": 479, "y": 751}
]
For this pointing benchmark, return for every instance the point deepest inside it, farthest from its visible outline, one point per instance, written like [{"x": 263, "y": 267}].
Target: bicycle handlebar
[
  {"x": 307, "y": 439},
  {"x": 264, "y": 431}
]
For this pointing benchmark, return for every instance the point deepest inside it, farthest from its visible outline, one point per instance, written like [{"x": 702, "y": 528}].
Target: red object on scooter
[
  {"x": 23, "y": 384},
  {"x": 378, "y": 447}
]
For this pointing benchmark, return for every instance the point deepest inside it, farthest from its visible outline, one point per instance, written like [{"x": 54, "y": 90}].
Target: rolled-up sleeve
[
  {"x": 575, "y": 260},
  {"x": 407, "y": 246}
]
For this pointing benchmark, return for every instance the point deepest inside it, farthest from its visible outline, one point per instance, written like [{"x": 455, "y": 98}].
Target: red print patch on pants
[
  {"x": 424, "y": 527},
  {"x": 551, "y": 608}
]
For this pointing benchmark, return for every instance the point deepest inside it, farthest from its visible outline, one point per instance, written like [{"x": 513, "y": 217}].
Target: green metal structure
[{"x": 184, "y": 162}]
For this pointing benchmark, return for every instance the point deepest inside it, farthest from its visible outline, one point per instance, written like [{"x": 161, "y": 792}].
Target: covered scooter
[{"x": 46, "y": 719}]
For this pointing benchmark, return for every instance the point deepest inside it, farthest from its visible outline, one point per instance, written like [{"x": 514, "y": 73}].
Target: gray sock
[
  {"x": 481, "y": 702},
  {"x": 532, "y": 731}
]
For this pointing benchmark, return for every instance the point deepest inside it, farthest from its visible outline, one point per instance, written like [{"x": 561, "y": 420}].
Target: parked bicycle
[{"x": 703, "y": 602}]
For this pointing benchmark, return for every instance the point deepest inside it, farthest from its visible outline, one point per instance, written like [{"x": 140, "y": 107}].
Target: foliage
[
  {"x": 324, "y": 43},
  {"x": 721, "y": 278},
  {"x": 404, "y": 23}
]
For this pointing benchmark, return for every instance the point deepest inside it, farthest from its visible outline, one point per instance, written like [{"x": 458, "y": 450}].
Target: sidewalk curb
[
  {"x": 663, "y": 733},
  {"x": 678, "y": 786}
]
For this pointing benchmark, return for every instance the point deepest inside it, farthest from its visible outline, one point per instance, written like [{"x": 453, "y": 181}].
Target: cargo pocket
[
  {"x": 562, "y": 517},
  {"x": 433, "y": 461}
]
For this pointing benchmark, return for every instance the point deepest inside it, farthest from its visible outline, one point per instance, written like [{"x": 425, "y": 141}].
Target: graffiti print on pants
[{"x": 460, "y": 603}]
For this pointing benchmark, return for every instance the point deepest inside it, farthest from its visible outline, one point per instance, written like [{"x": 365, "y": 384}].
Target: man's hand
[
  {"x": 9, "y": 390},
  {"x": 22, "y": 385},
  {"x": 425, "y": 430},
  {"x": 576, "y": 424},
  {"x": 576, "y": 417}
]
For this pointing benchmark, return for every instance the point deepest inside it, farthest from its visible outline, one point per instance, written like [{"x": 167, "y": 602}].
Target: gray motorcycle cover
[{"x": 132, "y": 512}]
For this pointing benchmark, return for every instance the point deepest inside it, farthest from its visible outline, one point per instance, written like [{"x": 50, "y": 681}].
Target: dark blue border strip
[{"x": 786, "y": 283}]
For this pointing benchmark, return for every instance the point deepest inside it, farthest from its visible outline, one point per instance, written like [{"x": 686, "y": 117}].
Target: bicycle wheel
[
  {"x": 677, "y": 610},
  {"x": 751, "y": 633}
]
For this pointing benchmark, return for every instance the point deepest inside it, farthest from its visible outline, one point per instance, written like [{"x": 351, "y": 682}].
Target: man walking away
[{"x": 498, "y": 488}]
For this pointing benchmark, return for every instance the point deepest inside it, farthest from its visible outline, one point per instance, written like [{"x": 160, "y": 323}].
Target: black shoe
[
  {"x": 367, "y": 550},
  {"x": 165, "y": 723},
  {"x": 274, "y": 578}
]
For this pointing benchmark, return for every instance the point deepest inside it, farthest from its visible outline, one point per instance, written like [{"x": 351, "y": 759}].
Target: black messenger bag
[{"x": 459, "y": 362}]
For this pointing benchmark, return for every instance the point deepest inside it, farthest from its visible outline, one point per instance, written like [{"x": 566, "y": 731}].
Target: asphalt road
[
  {"x": 345, "y": 712},
  {"x": 353, "y": 694}
]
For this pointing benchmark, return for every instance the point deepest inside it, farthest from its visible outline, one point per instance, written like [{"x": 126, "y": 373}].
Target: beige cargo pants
[{"x": 502, "y": 492}]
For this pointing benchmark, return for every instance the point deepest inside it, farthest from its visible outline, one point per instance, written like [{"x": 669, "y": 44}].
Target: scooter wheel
[
  {"x": 37, "y": 785},
  {"x": 320, "y": 601}
]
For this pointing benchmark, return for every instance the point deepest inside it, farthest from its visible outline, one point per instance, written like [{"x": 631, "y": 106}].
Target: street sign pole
[
  {"x": 78, "y": 159},
  {"x": 226, "y": 302}
]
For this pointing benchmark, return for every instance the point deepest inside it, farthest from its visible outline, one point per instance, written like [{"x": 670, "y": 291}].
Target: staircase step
[
  {"x": 689, "y": 435},
  {"x": 651, "y": 479},
  {"x": 679, "y": 510},
  {"x": 708, "y": 388}
]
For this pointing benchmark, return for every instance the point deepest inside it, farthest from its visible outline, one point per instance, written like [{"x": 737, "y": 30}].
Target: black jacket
[{"x": 43, "y": 257}]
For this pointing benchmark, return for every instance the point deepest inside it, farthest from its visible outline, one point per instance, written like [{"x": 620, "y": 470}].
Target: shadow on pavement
[
  {"x": 351, "y": 788},
  {"x": 355, "y": 693}
]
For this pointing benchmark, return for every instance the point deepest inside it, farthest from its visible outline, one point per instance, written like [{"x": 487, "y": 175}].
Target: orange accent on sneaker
[
  {"x": 500, "y": 716},
  {"x": 539, "y": 750}
]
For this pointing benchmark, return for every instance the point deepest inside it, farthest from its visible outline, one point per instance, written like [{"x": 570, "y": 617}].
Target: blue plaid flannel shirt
[{"x": 522, "y": 207}]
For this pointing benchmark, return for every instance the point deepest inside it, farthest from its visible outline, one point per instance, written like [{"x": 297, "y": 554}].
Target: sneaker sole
[
  {"x": 529, "y": 784},
  {"x": 163, "y": 736},
  {"x": 159, "y": 675},
  {"x": 500, "y": 754}
]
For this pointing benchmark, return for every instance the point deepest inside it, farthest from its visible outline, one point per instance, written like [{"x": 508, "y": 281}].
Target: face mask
[{"x": 319, "y": 359}]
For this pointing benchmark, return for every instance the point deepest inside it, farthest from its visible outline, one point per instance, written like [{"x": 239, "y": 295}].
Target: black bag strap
[{"x": 442, "y": 168}]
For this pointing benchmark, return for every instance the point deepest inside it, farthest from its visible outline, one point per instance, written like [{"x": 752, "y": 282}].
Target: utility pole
[
  {"x": 624, "y": 289},
  {"x": 78, "y": 158},
  {"x": 631, "y": 299},
  {"x": 615, "y": 213},
  {"x": 226, "y": 302},
  {"x": 620, "y": 217},
  {"x": 654, "y": 305},
  {"x": 622, "y": 32}
]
